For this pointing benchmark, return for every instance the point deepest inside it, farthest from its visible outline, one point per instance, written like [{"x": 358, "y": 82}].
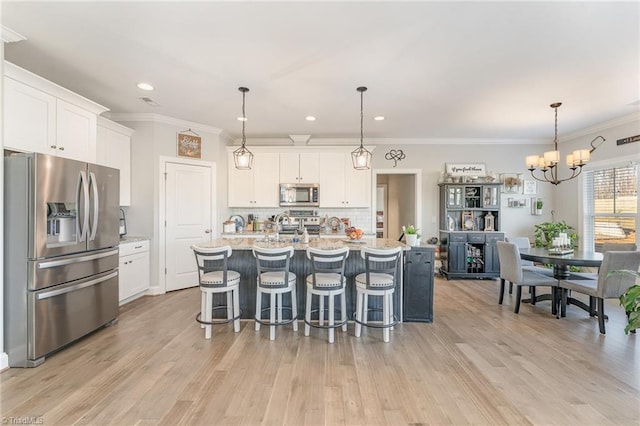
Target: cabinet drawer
[
  {"x": 133, "y": 247},
  {"x": 492, "y": 238},
  {"x": 475, "y": 238},
  {"x": 458, "y": 238}
]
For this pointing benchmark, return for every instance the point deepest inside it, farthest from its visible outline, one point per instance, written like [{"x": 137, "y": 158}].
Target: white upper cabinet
[
  {"x": 299, "y": 167},
  {"x": 29, "y": 118},
  {"x": 75, "y": 132},
  {"x": 113, "y": 149},
  {"x": 340, "y": 184},
  {"x": 41, "y": 116},
  {"x": 257, "y": 187}
]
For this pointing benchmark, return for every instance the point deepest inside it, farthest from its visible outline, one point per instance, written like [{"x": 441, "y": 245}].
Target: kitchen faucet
[{"x": 277, "y": 219}]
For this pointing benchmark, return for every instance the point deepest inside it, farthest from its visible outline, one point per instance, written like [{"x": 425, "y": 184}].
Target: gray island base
[{"x": 242, "y": 260}]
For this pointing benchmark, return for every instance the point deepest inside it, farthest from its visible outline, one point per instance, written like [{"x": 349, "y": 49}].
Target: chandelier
[
  {"x": 360, "y": 156},
  {"x": 548, "y": 163},
  {"x": 242, "y": 157}
]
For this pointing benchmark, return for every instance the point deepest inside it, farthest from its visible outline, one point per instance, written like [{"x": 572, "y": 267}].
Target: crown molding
[
  {"x": 392, "y": 141},
  {"x": 7, "y": 35},
  {"x": 159, "y": 118}
]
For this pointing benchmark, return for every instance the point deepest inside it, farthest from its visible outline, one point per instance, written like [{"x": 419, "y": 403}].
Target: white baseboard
[
  {"x": 4, "y": 361},
  {"x": 154, "y": 291}
]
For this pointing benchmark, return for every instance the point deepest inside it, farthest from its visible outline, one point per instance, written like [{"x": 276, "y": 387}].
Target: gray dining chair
[
  {"x": 619, "y": 247},
  {"x": 511, "y": 270},
  {"x": 607, "y": 284},
  {"x": 528, "y": 265}
]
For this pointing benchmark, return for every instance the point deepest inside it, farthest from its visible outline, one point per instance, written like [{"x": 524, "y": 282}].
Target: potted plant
[
  {"x": 411, "y": 234},
  {"x": 630, "y": 301},
  {"x": 544, "y": 233}
]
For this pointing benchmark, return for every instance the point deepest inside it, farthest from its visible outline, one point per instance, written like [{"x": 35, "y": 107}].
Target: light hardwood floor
[{"x": 477, "y": 363}]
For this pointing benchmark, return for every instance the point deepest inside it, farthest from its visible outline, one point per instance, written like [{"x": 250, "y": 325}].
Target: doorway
[
  {"x": 187, "y": 216},
  {"x": 402, "y": 200}
]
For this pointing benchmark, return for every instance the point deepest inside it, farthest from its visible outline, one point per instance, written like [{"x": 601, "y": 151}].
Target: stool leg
[
  {"x": 343, "y": 310},
  {"x": 272, "y": 316},
  {"x": 307, "y": 314},
  {"x": 391, "y": 310},
  {"x": 258, "y": 308},
  {"x": 208, "y": 306},
  {"x": 294, "y": 307},
  {"x": 236, "y": 309},
  {"x": 203, "y": 299},
  {"x": 229, "y": 304},
  {"x": 359, "y": 297},
  {"x": 365, "y": 308},
  {"x": 385, "y": 317},
  {"x": 331, "y": 317},
  {"x": 279, "y": 306},
  {"x": 321, "y": 310}
]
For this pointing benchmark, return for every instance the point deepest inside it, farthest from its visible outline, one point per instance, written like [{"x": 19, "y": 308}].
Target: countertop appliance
[
  {"x": 300, "y": 194},
  {"x": 299, "y": 220},
  {"x": 61, "y": 234},
  {"x": 123, "y": 224}
]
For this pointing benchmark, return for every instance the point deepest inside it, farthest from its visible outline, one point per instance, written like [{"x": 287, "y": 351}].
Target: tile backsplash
[{"x": 360, "y": 218}]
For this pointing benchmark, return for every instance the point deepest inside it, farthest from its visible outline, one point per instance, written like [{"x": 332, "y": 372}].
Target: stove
[{"x": 299, "y": 220}]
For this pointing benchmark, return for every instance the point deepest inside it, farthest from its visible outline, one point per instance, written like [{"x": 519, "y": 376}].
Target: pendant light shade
[
  {"x": 242, "y": 157},
  {"x": 360, "y": 156}
]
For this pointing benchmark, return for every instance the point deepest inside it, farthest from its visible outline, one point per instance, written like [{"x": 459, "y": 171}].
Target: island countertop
[{"x": 321, "y": 243}]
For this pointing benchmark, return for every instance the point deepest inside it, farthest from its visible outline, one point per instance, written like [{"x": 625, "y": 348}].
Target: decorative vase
[{"x": 412, "y": 239}]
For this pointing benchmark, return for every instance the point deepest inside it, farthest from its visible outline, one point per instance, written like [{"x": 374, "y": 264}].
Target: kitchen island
[{"x": 242, "y": 260}]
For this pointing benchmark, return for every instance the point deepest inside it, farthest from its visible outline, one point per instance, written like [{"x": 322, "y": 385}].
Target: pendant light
[
  {"x": 361, "y": 157},
  {"x": 242, "y": 157}
]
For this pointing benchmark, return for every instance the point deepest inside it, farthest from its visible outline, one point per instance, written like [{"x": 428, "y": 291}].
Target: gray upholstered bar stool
[
  {"x": 215, "y": 277},
  {"x": 326, "y": 280},
  {"x": 275, "y": 279},
  {"x": 379, "y": 279}
]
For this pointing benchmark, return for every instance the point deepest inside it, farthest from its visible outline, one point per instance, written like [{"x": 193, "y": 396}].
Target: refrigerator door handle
[
  {"x": 56, "y": 263},
  {"x": 96, "y": 205},
  {"x": 84, "y": 189},
  {"x": 53, "y": 293}
]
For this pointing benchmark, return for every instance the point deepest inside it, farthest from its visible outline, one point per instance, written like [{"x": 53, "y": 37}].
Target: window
[{"x": 611, "y": 206}]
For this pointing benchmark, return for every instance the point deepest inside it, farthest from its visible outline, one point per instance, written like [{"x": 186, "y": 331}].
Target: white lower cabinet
[{"x": 134, "y": 270}]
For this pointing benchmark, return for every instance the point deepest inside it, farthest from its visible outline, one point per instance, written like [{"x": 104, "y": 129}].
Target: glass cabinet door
[
  {"x": 490, "y": 196},
  {"x": 454, "y": 196}
]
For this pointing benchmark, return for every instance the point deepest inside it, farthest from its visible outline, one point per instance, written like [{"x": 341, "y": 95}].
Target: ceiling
[{"x": 435, "y": 70}]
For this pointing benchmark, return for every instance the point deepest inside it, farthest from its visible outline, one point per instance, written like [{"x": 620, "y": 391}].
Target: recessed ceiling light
[
  {"x": 242, "y": 118},
  {"x": 379, "y": 118},
  {"x": 310, "y": 118},
  {"x": 145, "y": 86}
]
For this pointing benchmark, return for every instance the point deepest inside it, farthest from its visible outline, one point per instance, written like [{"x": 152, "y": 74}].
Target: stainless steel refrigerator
[{"x": 61, "y": 236}]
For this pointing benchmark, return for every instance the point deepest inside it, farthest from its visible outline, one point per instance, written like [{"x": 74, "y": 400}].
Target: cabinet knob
[
  {"x": 207, "y": 231},
  {"x": 53, "y": 146},
  {"x": 61, "y": 148}
]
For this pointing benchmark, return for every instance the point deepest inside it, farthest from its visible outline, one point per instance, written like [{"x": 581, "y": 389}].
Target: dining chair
[
  {"x": 528, "y": 265},
  {"x": 511, "y": 270},
  {"x": 619, "y": 247},
  {"x": 606, "y": 285},
  {"x": 275, "y": 279},
  {"x": 326, "y": 280},
  {"x": 215, "y": 277}
]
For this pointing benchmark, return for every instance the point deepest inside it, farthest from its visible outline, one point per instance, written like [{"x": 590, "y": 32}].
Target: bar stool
[
  {"x": 379, "y": 279},
  {"x": 326, "y": 280},
  {"x": 275, "y": 279},
  {"x": 215, "y": 277}
]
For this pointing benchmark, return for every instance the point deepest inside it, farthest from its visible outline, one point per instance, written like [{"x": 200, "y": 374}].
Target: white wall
[
  {"x": 156, "y": 136},
  {"x": 4, "y": 360}
]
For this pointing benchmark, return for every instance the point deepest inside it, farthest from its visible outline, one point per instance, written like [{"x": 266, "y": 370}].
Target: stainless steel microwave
[{"x": 299, "y": 194}]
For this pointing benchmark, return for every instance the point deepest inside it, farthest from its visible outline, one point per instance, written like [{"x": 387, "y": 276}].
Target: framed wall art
[
  {"x": 511, "y": 183},
  {"x": 530, "y": 187},
  {"x": 189, "y": 144}
]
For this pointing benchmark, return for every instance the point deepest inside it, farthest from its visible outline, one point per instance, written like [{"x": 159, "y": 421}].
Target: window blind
[{"x": 610, "y": 205}]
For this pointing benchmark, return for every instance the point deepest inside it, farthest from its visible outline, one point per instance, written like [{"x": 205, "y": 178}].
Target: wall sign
[
  {"x": 474, "y": 169},
  {"x": 630, "y": 139},
  {"x": 189, "y": 144}
]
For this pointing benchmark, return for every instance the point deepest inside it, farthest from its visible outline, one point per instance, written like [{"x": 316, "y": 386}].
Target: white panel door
[{"x": 188, "y": 198}]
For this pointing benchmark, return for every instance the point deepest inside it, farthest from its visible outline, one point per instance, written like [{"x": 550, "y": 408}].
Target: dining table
[{"x": 562, "y": 264}]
